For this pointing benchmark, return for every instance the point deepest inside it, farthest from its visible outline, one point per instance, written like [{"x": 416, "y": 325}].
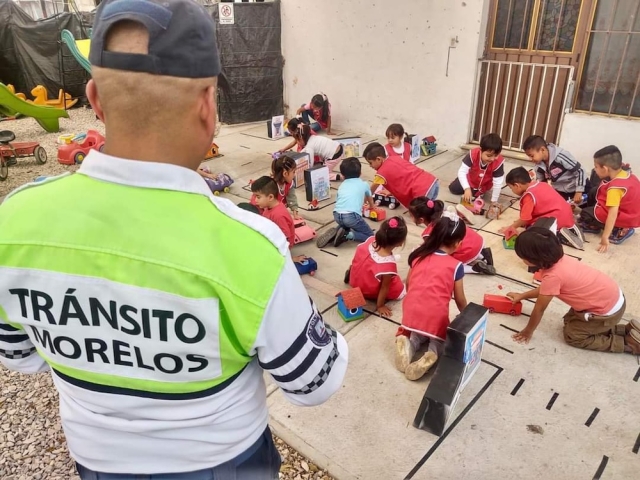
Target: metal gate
[{"x": 516, "y": 100}]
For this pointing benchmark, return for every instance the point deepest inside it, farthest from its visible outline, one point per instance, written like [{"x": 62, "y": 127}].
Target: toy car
[
  {"x": 476, "y": 207},
  {"x": 303, "y": 232},
  {"x": 501, "y": 304},
  {"x": 376, "y": 214},
  {"x": 313, "y": 205},
  {"x": 75, "y": 151},
  {"x": 308, "y": 265},
  {"x": 10, "y": 151},
  {"x": 509, "y": 240},
  {"x": 221, "y": 183},
  {"x": 382, "y": 200}
]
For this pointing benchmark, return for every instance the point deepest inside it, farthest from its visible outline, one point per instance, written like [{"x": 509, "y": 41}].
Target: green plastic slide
[
  {"x": 47, "y": 117},
  {"x": 78, "y": 48}
]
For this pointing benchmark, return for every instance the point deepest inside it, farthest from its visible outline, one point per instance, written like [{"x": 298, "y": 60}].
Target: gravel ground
[{"x": 32, "y": 444}]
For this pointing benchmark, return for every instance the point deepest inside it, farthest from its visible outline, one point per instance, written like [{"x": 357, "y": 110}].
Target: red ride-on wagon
[
  {"x": 10, "y": 151},
  {"x": 74, "y": 152}
]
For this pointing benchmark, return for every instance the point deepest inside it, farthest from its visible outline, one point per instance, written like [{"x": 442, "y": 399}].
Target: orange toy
[
  {"x": 12, "y": 89},
  {"x": 63, "y": 101}
]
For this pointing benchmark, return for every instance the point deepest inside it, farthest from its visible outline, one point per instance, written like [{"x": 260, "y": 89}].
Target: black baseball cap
[{"x": 182, "y": 39}]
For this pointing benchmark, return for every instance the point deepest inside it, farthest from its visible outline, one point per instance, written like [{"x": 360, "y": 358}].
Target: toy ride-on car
[
  {"x": 10, "y": 151},
  {"x": 221, "y": 183},
  {"x": 376, "y": 214},
  {"x": 303, "y": 232},
  {"x": 501, "y": 304},
  {"x": 77, "y": 149},
  {"x": 382, "y": 198},
  {"x": 308, "y": 265}
]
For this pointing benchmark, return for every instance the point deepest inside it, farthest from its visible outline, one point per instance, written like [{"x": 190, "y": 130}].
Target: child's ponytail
[
  {"x": 281, "y": 165},
  {"x": 322, "y": 102},
  {"x": 392, "y": 232},
  {"x": 422, "y": 208},
  {"x": 302, "y": 133},
  {"x": 447, "y": 232}
]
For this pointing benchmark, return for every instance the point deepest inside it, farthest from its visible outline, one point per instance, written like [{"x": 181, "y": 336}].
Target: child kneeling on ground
[
  {"x": 433, "y": 278},
  {"x": 374, "y": 269},
  {"x": 347, "y": 213},
  {"x": 597, "y": 302},
  {"x": 540, "y": 200},
  {"x": 617, "y": 209},
  {"x": 472, "y": 253},
  {"x": 266, "y": 198}
]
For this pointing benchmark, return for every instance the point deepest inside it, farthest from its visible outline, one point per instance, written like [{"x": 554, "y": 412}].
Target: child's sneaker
[
  {"x": 487, "y": 255},
  {"x": 465, "y": 214},
  {"x": 570, "y": 237},
  {"x": 347, "y": 276},
  {"x": 417, "y": 369},
  {"x": 589, "y": 227},
  {"x": 404, "y": 352},
  {"x": 619, "y": 235},
  {"x": 326, "y": 238},
  {"x": 480, "y": 266},
  {"x": 341, "y": 237}
]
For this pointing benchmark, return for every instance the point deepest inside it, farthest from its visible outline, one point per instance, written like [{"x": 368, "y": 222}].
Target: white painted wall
[
  {"x": 384, "y": 61},
  {"x": 583, "y": 134}
]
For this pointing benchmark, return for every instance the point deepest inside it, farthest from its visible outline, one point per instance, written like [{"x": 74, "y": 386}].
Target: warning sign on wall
[{"x": 226, "y": 13}]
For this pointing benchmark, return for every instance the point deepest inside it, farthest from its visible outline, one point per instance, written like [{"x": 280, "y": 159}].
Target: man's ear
[
  {"x": 94, "y": 100},
  {"x": 208, "y": 109}
]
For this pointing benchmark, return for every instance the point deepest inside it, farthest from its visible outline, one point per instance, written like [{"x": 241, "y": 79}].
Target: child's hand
[
  {"x": 384, "y": 311},
  {"x": 296, "y": 215},
  {"x": 467, "y": 195},
  {"x": 577, "y": 198},
  {"x": 515, "y": 297},
  {"x": 504, "y": 229},
  {"x": 299, "y": 258},
  {"x": 604, "y": 244},
  {"x": 523, "y": 337}
]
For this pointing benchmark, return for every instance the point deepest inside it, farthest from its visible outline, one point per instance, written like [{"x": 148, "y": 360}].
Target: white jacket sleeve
[
  {"x": 305, "y": 357},
  {"x": 463, "y": 172}
]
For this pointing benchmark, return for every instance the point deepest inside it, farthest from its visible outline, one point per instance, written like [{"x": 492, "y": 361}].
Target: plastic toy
[
  {"x": 501, "y": 304},
  {"x": 12, "y": 89},
  {"x": 75, "y": 151},
  {"x": 47, "y": 117},
  {"x": 429, "y": 145},
  {"x": 494, "y": 212},
  {"x": 303, "y": 232},
  {"x": 476, "y": 207},
  {"x": 40, "y": 97},
  {"x": 376, "y": 214},
  {"x": 213, "y": 152},
  {"x": 308, "y": 265},
  {"x": 532, "y": 175},
  {"x": 509, "y": 240},
  {"x": 382, "y": 198},
  {"x": 350, "y": 303},
  {"x": 221, "y": 183},
  {"x": 313, "y": 205},
  {"x": 10, "y": 151}
]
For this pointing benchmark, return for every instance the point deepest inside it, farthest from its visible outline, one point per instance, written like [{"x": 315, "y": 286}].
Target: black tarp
[
  {"x": 31, "y": 52},
  {"x": 251, "y": 57}
]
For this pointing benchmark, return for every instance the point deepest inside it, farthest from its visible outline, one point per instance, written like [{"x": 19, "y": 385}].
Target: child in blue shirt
[{"x": 347, "y": 213}]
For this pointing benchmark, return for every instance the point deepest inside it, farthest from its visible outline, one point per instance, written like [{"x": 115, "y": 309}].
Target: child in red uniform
[
  {"x": 434, "y": 277},
  {"x": 617, "y": 209},
  {"x": 481, "y": 169},
  {"x": 398, "y": 145},
  {"x": 374, "y": 269},
  {"x": 317, "y": 113},
  {"x": 283, "y": 170},
  {"x": 471, "y": 252},
  {"x": 540, "y": 200},
  {"x": 596, "y": 301},
  {"x": 403, "y": 180},
  {"x": 292, "y": 127},
  {"x": 266, "y": 198}
]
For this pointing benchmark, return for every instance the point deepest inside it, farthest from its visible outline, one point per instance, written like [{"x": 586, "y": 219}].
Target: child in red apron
[
  {"x": 472, "y": 252},
  {"x": 434, "y": 277},
  {"x": 283, "y": 170},
  {"x": 374, "y": 269},
  {"x": 398, "y": 143}
]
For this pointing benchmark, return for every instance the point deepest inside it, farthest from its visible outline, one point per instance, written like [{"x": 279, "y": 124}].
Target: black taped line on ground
[
  {"x": 592, "y": 417},
  {"x": 376, "y": 314},
  {"x": 517, "y": 387},
  {"x": 636, "y": 447},
  {"x": 509, "y": 328},
  {"x": 553, "y": 400},
  {"x": 637, "y": 375},
  {"x": 328, "y": 308},
  {"x": 603, "y": 465},
  {"x": 453, "y": 425},
  {"x": 327, "y": 252},
  {"x": 498, "y": 346}
]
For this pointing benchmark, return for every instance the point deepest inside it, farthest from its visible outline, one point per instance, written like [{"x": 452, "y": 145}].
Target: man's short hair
[
  {"x": 518, "y": 175},
  {"x": 266, "y": 186},
  {"x": 609, "y": 157},
  {"x": 534, "y": 142}
]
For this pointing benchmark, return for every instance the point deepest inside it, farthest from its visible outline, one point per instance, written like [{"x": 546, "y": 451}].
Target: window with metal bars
[{"x": 610, "y": 78}]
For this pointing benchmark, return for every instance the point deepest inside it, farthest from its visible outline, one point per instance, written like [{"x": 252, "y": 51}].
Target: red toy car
[
  {"x": 304, "y": 232},
  {"x": 10, "y": 151},
  {"x": 74, "y": 152},
  {"x": 501, "y": 304},
  {"x": 376, "y": 214}
]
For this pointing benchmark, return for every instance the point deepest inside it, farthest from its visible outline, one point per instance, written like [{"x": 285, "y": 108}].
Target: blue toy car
[{"x": 308, "y": 265}]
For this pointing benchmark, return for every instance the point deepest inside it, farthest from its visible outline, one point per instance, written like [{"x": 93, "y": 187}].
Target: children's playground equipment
[
  {"x": 48, "y": 117},
  {"x": 10, "y": 151}
]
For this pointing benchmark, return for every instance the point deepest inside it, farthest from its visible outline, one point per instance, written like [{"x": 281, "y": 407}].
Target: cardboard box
[
  {"x": 317, "y": 185},
  {"x": 352, "y": 147},
  {"x": 275, "y": 127},
  {"x": 303, "y": 162}
]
